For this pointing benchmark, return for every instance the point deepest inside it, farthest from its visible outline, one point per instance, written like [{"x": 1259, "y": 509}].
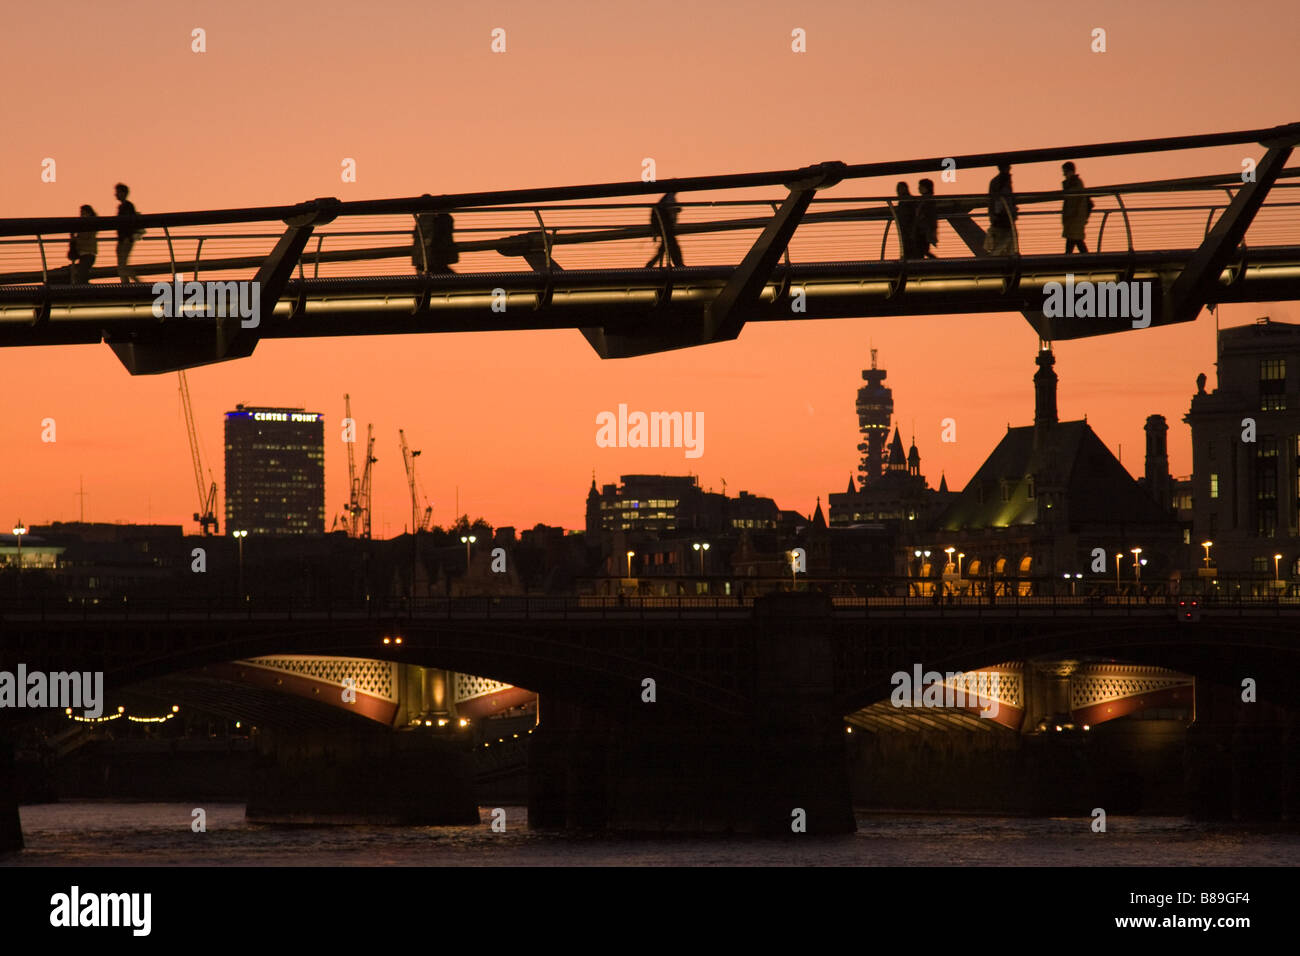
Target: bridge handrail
[
  {"x": 548, "y": 239},
  {"x": 621, "y": 607},
  {"x": 1289, "y": 134}
]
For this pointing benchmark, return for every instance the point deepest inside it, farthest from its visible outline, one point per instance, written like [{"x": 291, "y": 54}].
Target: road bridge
[{"x": 749, "y": 698}]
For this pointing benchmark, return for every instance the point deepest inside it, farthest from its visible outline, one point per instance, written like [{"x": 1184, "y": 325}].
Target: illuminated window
[
  {"x": 1272, "y": 385},
  {"x": 1214, "y": 484}
]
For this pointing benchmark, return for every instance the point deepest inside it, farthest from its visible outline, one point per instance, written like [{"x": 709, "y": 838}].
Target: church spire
[{"x": 897, "y": 457}]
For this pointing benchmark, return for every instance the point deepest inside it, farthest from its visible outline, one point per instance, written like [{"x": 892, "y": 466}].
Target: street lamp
[
  {"x": 1207, "y": 545},
  {"x": 629, "y": 562},
  {"x": 20, "y": 529},
  {"x": 467, "y": 540},
  {"x": 701, "y": 547},
  {"x": 1276, "y": 578},
  {"x": 1119, "y": 559},
  {"x": 1137, "y": 564},
  {"x": 949, "y": 551},
  {"x": 239, "y": 536},
  {"x": 960, "y": 555}
]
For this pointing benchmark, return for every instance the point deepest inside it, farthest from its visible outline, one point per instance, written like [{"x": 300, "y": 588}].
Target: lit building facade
[
  {"x": 1246, "y": 453},
  {"x": 275, "y": 471},
  {"x": 1051, "y": 504}
]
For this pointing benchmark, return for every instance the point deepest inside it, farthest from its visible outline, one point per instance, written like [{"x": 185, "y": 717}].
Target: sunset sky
[{"x": 583, "y": 93}]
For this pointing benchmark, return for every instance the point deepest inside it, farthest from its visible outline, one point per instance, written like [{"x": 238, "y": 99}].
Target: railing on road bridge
[{"x": 586, "y": 608}]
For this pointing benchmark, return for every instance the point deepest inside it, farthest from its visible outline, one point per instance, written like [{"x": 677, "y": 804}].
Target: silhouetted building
[
  {"x": 1246, "y": 452},
  {"x": 1156, "y": 478},
  {"x": 673, "y": 503},
  {"x": 892, "y": 503},
  {"x": 875, "y": 411},
  {"x": 1047, "y": 497},
  {"x": 275, "y": 471}
]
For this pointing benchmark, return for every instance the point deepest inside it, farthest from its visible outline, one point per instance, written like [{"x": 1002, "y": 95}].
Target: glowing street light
[
  {"x": 1119, "y": 558},
  {"x": 1207, "y": 545},
  {"x": 630, "y": 555},
  {"x": 949, "y": 551},
  {"x": 701, "y": 547},
  {"x": 20, "y": 529},
  {"x": 467, "y": 540},
  {"x": 1137, "y": 564},
  {"x": 1276, "y": 577},
  {"x": 960, "y": 555},
  {"x": 239, "y": 536}
]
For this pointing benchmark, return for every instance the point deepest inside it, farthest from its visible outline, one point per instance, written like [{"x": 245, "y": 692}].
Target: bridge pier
[
  {"x": 1241, "y": 757},
  {"x": 663, "y": 767},
  {"x": 11, "y": 831},
  {"x": 361, "y": 776}
]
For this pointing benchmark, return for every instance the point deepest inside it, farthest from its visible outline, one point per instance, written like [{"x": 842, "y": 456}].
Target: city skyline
[
  {"x": 956, "y": 461},
  {"x": 506, "y": 421}
]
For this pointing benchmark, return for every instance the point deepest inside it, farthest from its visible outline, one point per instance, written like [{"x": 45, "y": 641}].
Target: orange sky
[{"x": 583, "y": 93}]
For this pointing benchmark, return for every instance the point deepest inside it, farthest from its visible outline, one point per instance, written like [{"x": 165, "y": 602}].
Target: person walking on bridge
[
  {"x": 127, "y": 232},
  {"x": 663, "y": 223},
  {"x": 1001, "y": 238},
  {"x": 81, "y": 250},
  {"x": 905, "y": 216},
  {"x": 927, "y": 220},
  {"x": 1075, "y": 210},
  {"x": 433, "y": 249}
]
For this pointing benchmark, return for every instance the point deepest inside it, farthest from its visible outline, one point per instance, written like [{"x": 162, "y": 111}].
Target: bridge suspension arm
[
  {"x": 724, "y": 317},
  {"x": 1195, "y": 287}
]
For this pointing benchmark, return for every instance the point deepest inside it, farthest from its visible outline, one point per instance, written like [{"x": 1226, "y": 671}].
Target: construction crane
[
  {"x": 353, "y": 508},
  {"x": 206, "y": 515},
  {"x": 408, "y": 461},
  {"x": 361, "y": 516}
]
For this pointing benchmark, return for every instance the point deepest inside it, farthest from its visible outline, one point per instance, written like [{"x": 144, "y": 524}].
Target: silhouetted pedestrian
[
  {"x": 905, "y": 214},
  {"x": 433, "y": 246},
  {"x": 927, "y": 219},
  {"x": 127, "y": 233},
  {"x": 1001, "y": 237},
  {"x": 81, "y": 250},
  {"x": 663, "y": 221},
  {"x": 1075, "y": 210}
]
